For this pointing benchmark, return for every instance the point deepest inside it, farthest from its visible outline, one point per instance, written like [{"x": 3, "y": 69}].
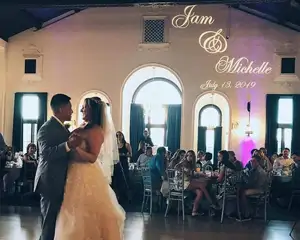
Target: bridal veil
[{"x": 109, "y": 152}]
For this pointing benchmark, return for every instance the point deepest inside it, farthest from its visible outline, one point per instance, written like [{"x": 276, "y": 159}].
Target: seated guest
[
  {"x": 225, "y": 165},
  {"x": 168, "y": 156},
  {"x": 233, "y": 159},
  {"x": 273, "y": 158},
  {"x": 157, "y": 168},
  {"x": 6, "y": 155},
  {"x": 265, "y": 162},
  {"x": 141, "y": 150},
  {"x": 205, "y": 160},
  {"x": 9, "y": 154},
  {"x": 193, "y": 181},
  {"x": 296, "y": 171},
  {"x": 284, "y": 164},
  {"x": 257, "y": 184},
  {"x": 177, "y": 158},
  {"x": 147, "y": 139},
  {"x": 145, "y": 158},
  {"x": 29, "y": 163},
  {"x": 200, "y": 156},
  {"x": 253, "y": 152},
  {"x": 264, "y": 150},
  {"x": 29, "y": 156}
]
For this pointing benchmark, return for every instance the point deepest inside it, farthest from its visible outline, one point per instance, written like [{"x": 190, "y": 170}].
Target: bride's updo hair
[{"x": 97, "y": 111}]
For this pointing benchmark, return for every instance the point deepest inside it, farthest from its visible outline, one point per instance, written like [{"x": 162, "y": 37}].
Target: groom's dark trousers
[{"x": 51, "y": 173}]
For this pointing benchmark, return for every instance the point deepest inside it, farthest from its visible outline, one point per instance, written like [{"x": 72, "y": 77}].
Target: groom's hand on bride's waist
[{"x": 74, "y": 141}]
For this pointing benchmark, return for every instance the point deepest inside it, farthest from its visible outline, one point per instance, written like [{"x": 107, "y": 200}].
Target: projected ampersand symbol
[{"x": 213, "y": 42}]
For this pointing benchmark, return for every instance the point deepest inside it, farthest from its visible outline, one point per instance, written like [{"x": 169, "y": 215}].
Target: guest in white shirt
[
  {"x": 144, "y": 158},
  {"x": 284, "y": 164}
]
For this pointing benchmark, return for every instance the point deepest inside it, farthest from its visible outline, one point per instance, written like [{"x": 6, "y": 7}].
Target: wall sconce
[
  {"x": 234, "y": 125},
  {"x": 248, "y": 130}
]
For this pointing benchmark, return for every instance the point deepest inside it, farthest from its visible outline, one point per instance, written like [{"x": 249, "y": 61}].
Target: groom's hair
[{"x": 59, "y": 100}]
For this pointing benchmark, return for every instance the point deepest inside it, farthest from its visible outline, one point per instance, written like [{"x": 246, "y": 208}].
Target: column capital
[{"x": 2, "y": 44}]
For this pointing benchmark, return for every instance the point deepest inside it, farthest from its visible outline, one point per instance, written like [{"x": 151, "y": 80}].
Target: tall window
[
  {"x": 30, "y": 116},
  {"x": 285, "y": 123},
  {"x": 210, "y": 117},
  {"x": 155, "y": 95}
]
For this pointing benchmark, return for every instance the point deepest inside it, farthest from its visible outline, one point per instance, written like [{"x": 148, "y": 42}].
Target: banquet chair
[
  {"x": 147, "y": 188},
  {"x": 176, "y": 190},
  {"x": 228, "y": 194},
  {"x": 263, "y": 198}
]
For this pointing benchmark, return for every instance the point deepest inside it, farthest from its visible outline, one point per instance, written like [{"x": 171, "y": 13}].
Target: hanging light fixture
[{"x": 248, "y": 130}]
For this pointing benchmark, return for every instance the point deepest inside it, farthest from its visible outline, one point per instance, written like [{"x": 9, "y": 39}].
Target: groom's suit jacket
[{"x": 52, "y": 168}]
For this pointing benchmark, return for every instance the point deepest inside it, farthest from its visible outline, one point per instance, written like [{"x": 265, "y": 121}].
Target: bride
[{"x": 90, "y": 210}]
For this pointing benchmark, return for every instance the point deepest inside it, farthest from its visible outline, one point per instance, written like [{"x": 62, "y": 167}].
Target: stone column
[{"x": 3, "y": 45}]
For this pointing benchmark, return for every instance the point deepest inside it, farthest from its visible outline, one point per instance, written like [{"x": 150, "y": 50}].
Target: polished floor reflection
[{"x": 21, "y": 223}]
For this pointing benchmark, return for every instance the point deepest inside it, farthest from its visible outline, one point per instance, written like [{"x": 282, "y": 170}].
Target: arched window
[
  {"x": 210, "y": 116},
  {"x": 157, "y": 91},
  {"x": 221, "y": 104},
  {"x": 210, "y": 129},
  {"x": 91, "y": 94},
  {"x": 155, "y": 95}
]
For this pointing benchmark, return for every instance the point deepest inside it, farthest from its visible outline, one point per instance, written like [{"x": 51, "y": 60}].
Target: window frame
[
  {"x": 283, "y": 126},
  {"x": 155, "y": 79},
  {"x": 32, "y": 135},
  {"x": 148, "y": 123},
  {"x": 220, "y": 123},
  {"x": 210, "y": 106},
  {"x": 32, "y": 122}
]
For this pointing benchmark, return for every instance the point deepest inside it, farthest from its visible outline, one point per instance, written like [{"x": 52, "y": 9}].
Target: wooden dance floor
[{"x": 23, "y": 223}]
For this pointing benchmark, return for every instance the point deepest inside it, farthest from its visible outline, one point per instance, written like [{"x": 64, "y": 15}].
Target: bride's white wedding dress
[{"x": 90, "y": 209}]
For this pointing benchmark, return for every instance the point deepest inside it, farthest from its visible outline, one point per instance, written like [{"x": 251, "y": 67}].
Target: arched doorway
[
  {"x": 93, "y": 93},
  {"x": 151, "y": 94},
  {"x": 212, "y": 123}
]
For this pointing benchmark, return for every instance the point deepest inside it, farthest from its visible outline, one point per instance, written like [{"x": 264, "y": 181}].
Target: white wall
[{"x": 99, "y": 48}]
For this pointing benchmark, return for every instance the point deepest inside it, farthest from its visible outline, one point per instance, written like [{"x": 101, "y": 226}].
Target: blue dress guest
[{"x": 157, "y": 167}]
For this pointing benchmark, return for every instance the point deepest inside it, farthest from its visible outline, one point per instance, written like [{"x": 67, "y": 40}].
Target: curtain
[
  {"x": 43, "y": 99},
  {"x": 201, "y": 138},
  {"x": 296, "y": 123},
  {"x": 173, "y": 127},
  {"x": 137, "y": 125},
  {"x": 43, "y": 103},
  {"x": 271, "y": 122},
  {"x": 17, "y": 138},
  {"x": 218, "y": 144},
  {"x": 18, "y": 121}
]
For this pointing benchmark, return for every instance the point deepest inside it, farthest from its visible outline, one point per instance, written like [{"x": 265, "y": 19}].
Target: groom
[{"x": 54, "y": 146}]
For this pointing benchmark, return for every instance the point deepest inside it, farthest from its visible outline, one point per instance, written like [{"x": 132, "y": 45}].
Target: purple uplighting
[{"x": 246, "y": 146}]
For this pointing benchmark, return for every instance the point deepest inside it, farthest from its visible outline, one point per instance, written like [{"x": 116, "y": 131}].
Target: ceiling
[{"x": 16, "y": 18}]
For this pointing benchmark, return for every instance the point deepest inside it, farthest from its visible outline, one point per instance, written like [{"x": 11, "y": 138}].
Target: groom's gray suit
[{"x": 51, "y": 173}]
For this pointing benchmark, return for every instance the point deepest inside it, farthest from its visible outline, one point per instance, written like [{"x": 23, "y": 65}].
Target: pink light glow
[{"x": 246, "y": 146}]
